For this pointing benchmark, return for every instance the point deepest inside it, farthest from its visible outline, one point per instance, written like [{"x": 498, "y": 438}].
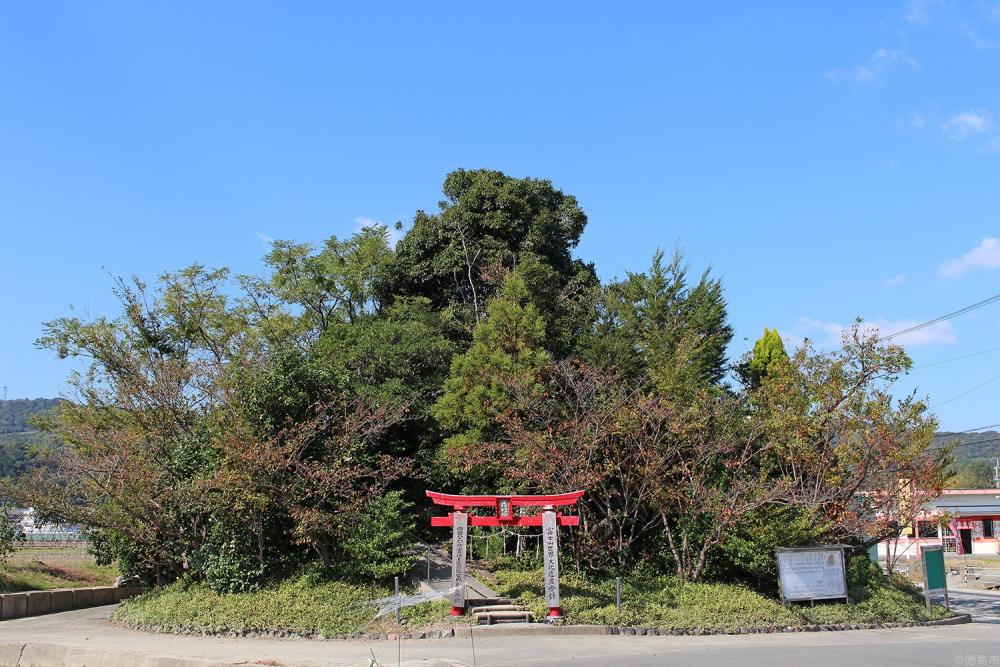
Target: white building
[{"x": 965, "y": 521}]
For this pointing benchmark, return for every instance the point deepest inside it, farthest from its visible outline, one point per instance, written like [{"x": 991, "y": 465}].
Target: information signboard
[
  {"x": 811, "y": 573},
  {"x": 935, "y": 578}
]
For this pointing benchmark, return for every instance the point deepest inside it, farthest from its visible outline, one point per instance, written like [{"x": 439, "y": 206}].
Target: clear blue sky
[{"x": 827, "y": 161}]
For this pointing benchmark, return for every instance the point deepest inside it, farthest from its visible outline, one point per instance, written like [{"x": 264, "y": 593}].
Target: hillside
[
  {"x": 18, "y": 438},
  {"x": 987, "y": 444},
  {"x": 975, "y": 455}
]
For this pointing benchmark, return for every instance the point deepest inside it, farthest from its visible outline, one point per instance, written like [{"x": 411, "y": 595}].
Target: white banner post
[
  {"x": 550, "y": 549},
  {"x": 459, "y": 540}
]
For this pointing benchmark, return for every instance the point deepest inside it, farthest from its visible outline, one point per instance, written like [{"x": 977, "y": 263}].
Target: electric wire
[
  {"x": 948, "y": 316},
  {"x": 973, "y": 430},
  {"x": 969, "y": 444},
  {"x": 965, "y": 393},
  {"x": 948, "y": 361}
]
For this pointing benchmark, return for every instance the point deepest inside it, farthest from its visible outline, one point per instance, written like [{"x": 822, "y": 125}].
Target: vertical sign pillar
[
  {"x": 550, "y": 549},
  {"x": 459, "y": 538}
]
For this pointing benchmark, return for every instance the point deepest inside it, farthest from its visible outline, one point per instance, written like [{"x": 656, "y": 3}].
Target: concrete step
[
  {"x": 474, "y": 603},
  {"x": 478, "y": 609},
  {"x": 491, "y": 617}
]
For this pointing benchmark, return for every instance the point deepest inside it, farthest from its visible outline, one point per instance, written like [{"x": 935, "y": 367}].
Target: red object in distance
[{"x": 503, "y": 508}]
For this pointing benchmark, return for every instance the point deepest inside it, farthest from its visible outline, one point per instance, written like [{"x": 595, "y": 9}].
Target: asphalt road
[{"x": 85, "y": 637}]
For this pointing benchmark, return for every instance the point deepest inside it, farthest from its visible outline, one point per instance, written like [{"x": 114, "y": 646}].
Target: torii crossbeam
[{"x": 504, "y": 515}]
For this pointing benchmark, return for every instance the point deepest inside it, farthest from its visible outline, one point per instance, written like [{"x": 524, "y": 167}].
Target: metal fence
[
  {"x": 984, "y": 576},
  {"x": 43, "y": 545}
]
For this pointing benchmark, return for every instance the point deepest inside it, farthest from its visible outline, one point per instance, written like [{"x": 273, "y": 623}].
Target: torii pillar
[{"x": 503, "y": 515}]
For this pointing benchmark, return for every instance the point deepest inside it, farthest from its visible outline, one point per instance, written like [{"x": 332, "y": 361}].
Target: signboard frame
[
  {"x": 934, "y": 553},
  {"x": 825, "y": 548}
]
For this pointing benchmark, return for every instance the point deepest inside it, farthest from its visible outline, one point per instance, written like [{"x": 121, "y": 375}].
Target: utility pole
[{"x": 996, "y": 474}]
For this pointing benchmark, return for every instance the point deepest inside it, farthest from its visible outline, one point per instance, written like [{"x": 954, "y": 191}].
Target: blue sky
[{"x": 827, "y": 161}]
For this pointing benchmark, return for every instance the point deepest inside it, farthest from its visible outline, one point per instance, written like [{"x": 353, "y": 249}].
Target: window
[
  {"x": 927, "y": 529},
  {"x": 987, "y": 527}
]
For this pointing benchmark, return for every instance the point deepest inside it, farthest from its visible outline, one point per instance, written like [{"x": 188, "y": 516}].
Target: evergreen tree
[
  {"x": 506, "y": 359},
  {"x": 767, "y": 351},
  {"x": 653, "y": 325}
]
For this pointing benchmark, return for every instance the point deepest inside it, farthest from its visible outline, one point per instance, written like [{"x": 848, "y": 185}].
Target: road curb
[{"x": 544, "y": 630}]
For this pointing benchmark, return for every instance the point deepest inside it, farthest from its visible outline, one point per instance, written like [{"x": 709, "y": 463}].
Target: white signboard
[
  {"x": 459, "y": 536},
  {"x": 550, "y": 550},
  {"x": 811, "y": 573}
]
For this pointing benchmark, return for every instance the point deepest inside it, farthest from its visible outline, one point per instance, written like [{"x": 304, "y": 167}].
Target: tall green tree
[
  {"x": 657, "y": 326},
  {"x": 768, "y": 352},
  {"x": 487, "y": 224},
  {"x": 309, "y": 289},
  {"x": 506, "y": 358}
]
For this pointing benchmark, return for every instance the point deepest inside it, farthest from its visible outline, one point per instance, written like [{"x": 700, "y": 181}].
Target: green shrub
[
  {"x": 309, "y": 602},
  {"x": 381, "y": 544},
  {"x": 230, "y": 567},
  {"x": 8, "y": 532},
  {"x": 664, "y": 601}
]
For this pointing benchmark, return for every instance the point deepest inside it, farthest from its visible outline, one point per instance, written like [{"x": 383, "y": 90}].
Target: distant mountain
[
  {"x": 975, "y": 457},
  {"x": 970, "y": 446},
  {"x": 18, "y": 437}
]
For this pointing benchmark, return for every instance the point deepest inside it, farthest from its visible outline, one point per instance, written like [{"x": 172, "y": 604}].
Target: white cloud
[
  {"x": 878, "y": 65},
  {"x": 967, "y": 124},
  {"x": 897, "y": 279},
  {"x": 264, "y": 238},
  {"x": 829, "y": 335},
  {"x": 936, "y": 334},
  {"x": 918, "y": 122},
  {"x": 985, "y": 256}
]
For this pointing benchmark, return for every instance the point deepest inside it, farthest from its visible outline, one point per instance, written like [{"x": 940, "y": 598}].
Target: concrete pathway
[
  {"x": 440, "y": 575},
  {"x": 84, "y": 637}
]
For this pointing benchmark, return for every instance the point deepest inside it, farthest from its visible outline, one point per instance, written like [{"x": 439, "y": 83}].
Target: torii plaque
[{"x": 503, "y": 515}]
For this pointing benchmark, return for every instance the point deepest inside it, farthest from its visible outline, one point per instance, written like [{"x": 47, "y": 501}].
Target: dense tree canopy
[
  {"x": 488, "y": 224},
  {"x": 231, "y": 428}
]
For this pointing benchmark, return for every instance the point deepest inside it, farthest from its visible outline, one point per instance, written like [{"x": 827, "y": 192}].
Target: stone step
[
  {"x": 478, "y": 609},
  {"x": 491, "y": 617},
  {"x": 486, "y": 602}
]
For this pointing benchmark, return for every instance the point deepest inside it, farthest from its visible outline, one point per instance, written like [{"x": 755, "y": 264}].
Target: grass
[
  {"x": 25, "y": 571},
  {"x": 665, "y": 602},
  {"x": 308, "y": 603}
]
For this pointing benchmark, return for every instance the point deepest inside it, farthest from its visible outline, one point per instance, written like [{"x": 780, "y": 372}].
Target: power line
[
  {"x": 981, "y": 428},
  {"x": 965, "y": 393},
  {"x": 977, "y": 442},
  {"x": 960, "y": 311},
  {"x": 948, "y": 361}
]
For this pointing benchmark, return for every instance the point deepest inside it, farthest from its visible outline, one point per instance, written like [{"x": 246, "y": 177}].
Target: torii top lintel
[{"x": 503, "y": 507}]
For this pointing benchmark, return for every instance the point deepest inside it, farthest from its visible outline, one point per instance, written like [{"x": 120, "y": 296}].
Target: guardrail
[
  {"x": 32, "y": 603},
  {"x": 987, "y": 576}
]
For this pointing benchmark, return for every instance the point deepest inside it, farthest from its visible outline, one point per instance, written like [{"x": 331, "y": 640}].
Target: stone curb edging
[
  {"x": 34, "y": 603},
  {"x": 509, "y": 630}
]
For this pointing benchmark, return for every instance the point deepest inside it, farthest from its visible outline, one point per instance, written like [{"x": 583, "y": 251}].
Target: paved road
[
  {"x": 984, "y": 606},
  {"x": 84, "y": 637}
]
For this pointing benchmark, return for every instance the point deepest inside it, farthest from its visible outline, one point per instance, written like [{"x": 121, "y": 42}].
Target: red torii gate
[{"x": 503, "y": 515}]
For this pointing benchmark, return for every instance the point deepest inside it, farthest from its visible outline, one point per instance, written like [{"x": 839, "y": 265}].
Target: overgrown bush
[
  {"x": 665, "y": 601},
  {"x": 380, "y": 545},
  {"x": 8, "y": 532}
]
